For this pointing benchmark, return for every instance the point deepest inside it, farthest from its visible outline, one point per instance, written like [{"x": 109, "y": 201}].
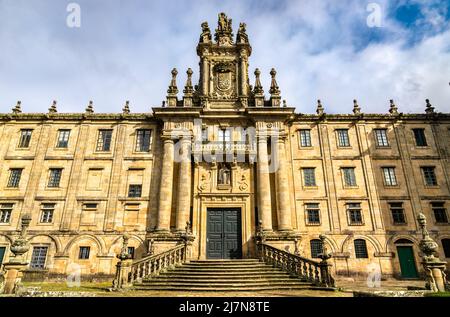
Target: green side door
[
  {"x": 2, "y": 255},
  {"x": 407, "y": 263}
]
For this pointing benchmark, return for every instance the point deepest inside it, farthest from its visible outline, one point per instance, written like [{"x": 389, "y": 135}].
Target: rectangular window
[
  {"x": 63, "y": 139},
  {"x": 354, "y": 213},
  {"x": 25, "y": 138},
  {"x": 225, "y": 138},
  {"x": 389, "y": 176},
  {"x": 398, "y": 214},
  {"x": 104, "y": 140},
  {"x": 2, "y": 255},
  {"x": 313, "y": 213},
  {"x": 135, "y": 191},
  {"x": 47, "y": 211},
  {"x": 84, "y": 253},
  {"x": 439, "y": 211},
  {"x": 90, "y": 206},
  {"x": 305, "y": 138},
  {"x": 361, "y": 249},
  {"x": 143, "y": 140},
  {"x": 381, "y": 137},
  {"x": 419, "y": 135},
  {"x": 5, "y": 212},
  {"x": 38, "y": 258},
  {"x": 205, "y": 135},
  {"x": 55, "y": 177},
  {"x": 309, "y": 176},
  {"x": 131, "y": 251},
  {"x": 14, "y": 177},
  {"x": 429, "y": 176},
  {"x": 343, "y": 139},
  {"x": 316, "y": 248},
  {"x": 349, "y": 176}
]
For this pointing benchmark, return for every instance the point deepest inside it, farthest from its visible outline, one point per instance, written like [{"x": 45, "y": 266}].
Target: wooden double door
[{"x": 223, "y": 238}]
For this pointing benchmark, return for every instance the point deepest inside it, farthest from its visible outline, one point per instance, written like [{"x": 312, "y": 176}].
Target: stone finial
[
  {"x": 356, "y": 107},
  {"x": 53, "y": 108},
  {"x": 188, "y": 88},
  {"x": 173, "y": 89},
  {"x": 429, "y": 108},
  {"x": 90, "y": 107},
  {"x": 20, "y": 246},
  {"x": 242, "y": 36},
  {"x": 320, "y": 109},
  {"x": 126, "y": 108},
  {"x": 284, "y": 103},
  {"x": 258, "y": 90},
  {"x": 18, "y": 108},
  {"x": 205, "y": 37},
  {"x": 393, "y": 108},
  {"x": 274, "y": 89},
  {"x": 124, "y": 254}
]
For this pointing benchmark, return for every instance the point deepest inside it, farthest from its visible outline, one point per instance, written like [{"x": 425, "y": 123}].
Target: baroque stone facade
[{"x": 359, "y": 178}]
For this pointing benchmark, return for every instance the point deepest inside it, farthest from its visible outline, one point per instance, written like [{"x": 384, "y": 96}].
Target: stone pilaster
[
  {"x": 282, "y": 187},
  {"x": 184, "y": 185},
  {"x": 264, "y": 201},
  {"x": 165, "y": 191}
]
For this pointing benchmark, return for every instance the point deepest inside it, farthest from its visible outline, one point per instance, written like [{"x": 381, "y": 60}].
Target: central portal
[{"x": 223, "y": 239}]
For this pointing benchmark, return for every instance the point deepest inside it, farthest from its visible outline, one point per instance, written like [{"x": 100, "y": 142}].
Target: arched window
[
  {"x": 403, "y": 241},
  {"x": 316, "y": 248},
  {"x": 446, "y": 247},
  {"x": 361, "y": 249}
]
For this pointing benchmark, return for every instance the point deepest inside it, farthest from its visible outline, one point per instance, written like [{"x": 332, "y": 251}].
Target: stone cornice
[{"x": 180, "y": 112}]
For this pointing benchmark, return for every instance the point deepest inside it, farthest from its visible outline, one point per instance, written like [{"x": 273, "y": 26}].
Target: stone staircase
[{"x": 223, "y": 275}]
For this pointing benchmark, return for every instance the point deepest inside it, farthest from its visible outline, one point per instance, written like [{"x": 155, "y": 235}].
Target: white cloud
[{"x": 125, "y": 51}]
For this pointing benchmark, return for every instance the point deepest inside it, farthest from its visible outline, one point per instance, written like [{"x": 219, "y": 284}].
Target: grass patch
[
  {"x": 64, "y": 287},
  {"x": 440, "y": 294}
]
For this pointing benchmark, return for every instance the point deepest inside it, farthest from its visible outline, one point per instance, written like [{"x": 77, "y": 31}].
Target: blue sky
[{"x": 125, "y": 50}]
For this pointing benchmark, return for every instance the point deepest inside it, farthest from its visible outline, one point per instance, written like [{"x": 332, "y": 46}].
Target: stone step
[
  {"x": 230, "y": 269},
  {"x": 196, "y": 275},
  {"x": 227, "y": 261},
  {"x": 225, "y": 267},
  {"x": 222, "y": 289},
  {"x": 219, "y": 281},
  {"x": 225, "y": 284}
]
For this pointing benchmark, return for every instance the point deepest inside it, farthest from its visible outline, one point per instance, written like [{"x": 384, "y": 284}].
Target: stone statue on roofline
[
  {"x": 242, "y": 36},
  {"x": 205, "y": 37}
]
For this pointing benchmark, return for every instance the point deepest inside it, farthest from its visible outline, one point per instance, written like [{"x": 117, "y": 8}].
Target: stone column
[
  {"x": 184, "y": 185},
  {"x": 282, "y": 187},
  {"x": 264, "y": 201},
  {"x": 165, "y": 191}
]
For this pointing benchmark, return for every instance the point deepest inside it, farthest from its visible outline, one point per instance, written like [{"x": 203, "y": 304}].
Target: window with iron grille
[
  {"x": 14, "y": 177},
  {"x": 419, "y": 135},
  {"x": 55, "y": 177},
  {"x": 381, "y": 137},
  {"x": 305, "y": 138},
  {"x": 316, "y": 248},
  {"x": 47, "y": 211},
  {"x": 343, "y": 139},
  {"x": 143, "y": 140},
  {"x": 131, "y": 251},
  {"x": 104, "y": 140},
  {"x": 349, "y": 176},
  {"x": 309, "y": 176},
  {"x": 135, "y": 191},
  {"x": 429, "y": 175},
  {"x": 5, "y": 212},
  {"x": 439, "y": 211},
  {"x": 63, "y": 139},
  {"x": 313, "y": 213},
  {"x": 2, "y": 254},
  {"x": 25, "y": 138},
  {"x": 389, "y": 176},
  {"x": 398, "y": 214},
  {"x": 354, "y": 213},
  {"x": 446, "y": 247},
  {"x": 38, "y": 257},
  {"x": 361, "y": 249},
  {"x": 225, "y": 138},
  {"x": 84, "y": 253}
]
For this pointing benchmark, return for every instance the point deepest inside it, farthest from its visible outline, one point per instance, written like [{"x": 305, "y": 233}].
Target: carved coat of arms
[{"x": 224, "y": 77}]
